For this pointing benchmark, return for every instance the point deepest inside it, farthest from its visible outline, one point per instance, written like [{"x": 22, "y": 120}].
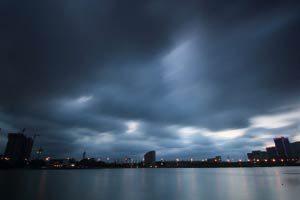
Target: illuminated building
[
  {"x": 18, "y": 147},
  {"x": 283, "y": 147},
  {"x": 149, "y": 159}
]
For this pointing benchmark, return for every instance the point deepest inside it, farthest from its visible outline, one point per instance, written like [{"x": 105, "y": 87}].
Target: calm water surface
[{"x": 138, "y": 184}]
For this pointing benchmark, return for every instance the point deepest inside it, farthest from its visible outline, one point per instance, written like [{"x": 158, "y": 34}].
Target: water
[{"x": 138, "y": 184}]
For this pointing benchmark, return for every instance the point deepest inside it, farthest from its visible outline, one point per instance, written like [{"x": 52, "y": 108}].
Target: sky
[{"x": 114, "y": 78}]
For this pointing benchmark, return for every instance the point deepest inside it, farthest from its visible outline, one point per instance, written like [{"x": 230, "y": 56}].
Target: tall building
[
  {"x": 18, "y": 147},
  {"x": 296, "y": 149},
  {"x": 149, "y": 159},
  {"x": 28, "y": 149},
  {"x": 283, "y": 147}
]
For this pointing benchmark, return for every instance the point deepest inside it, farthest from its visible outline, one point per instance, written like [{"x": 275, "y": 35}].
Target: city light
[{"x": 274, "y": 156}]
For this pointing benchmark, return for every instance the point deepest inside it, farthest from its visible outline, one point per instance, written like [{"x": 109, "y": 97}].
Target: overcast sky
[{"x": 189, "y": 79}]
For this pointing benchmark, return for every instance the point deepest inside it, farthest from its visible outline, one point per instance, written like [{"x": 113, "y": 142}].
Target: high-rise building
[
  {"x": 18, "y": 147},
  {"x": 149, "y": 159},
  {"x": 28, "y": 149},
  {"x": 283, "y": 147},
  {"x": 296, "y": 149}
]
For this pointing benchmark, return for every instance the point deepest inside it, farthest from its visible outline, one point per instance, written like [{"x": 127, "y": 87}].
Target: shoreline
[{"x": 159, "y": 165}]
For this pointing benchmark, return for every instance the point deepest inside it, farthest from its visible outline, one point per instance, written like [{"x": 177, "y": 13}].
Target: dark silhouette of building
[
  {"x": 272, "y": 153},
  {"x": 283, "y": 147},
  {"x": 215, "y": 159},
  {"x": 149, "y": 159},
  {"x": 28, "y": 149},
  {"x": 18, "y": 147},
  {"x": 257, "y": 155},
  {"x": 296, "y": 149},
  {"x": 83, "y": 155}
]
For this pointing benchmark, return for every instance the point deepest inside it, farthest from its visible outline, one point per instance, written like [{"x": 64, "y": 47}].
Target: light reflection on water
[{"x": 137, "y": 184}]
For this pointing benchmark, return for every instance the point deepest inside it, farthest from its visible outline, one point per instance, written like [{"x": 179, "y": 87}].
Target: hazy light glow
[
  {"x": 269, "y": 143},
  {"x": 296, "y": 138},
  {"x": 275, "y": 121},
  {"x": 226, "y": 134},
  {"x": 188, "y": 131},
  {"x": 266, "y": 136},
  {"x": 231, "y": 134},
  {"x": 132, "y": 126},
  {"x": 178, "y": 65}
]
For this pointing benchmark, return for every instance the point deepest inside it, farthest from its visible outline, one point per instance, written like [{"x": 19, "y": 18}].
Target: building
[
  {"x": 272, "y": 153},
  {"x": 295, "y": 149},
  {"x": 149, "y": 159},
  {"x": 28, "y": 149},
  {"x": 18, "y": 147},
  {"x": 215, "y": 159},
  {"x": 60, "y": 163},
  {"x": 257, "y": 155},
  {"x": 283, "y": 147}
]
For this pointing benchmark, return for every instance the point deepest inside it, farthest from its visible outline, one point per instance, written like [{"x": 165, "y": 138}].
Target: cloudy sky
[{"x": 118, "y": 78}]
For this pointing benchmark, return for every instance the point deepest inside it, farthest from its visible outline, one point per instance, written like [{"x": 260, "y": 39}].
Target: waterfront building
[
  {"x": 28, "y": 148},
  {"x": 272, "y": 153},
  {"x": 283, "y": 147},
  {"x": 296, "y": 149},
  {"x": 149, "y": 159},
  {"x": 215, "y": 159},
  {"x": 257, "y": 155},
  {"x": 18, "y": 147}
]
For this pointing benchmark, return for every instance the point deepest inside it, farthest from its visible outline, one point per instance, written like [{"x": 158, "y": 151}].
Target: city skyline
[
  {"x": 19, "y": 149},
  {"x": 191, "y": 79}
]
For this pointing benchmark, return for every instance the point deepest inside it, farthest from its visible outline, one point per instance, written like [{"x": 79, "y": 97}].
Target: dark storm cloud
[{"x": 79, "y": 71}]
